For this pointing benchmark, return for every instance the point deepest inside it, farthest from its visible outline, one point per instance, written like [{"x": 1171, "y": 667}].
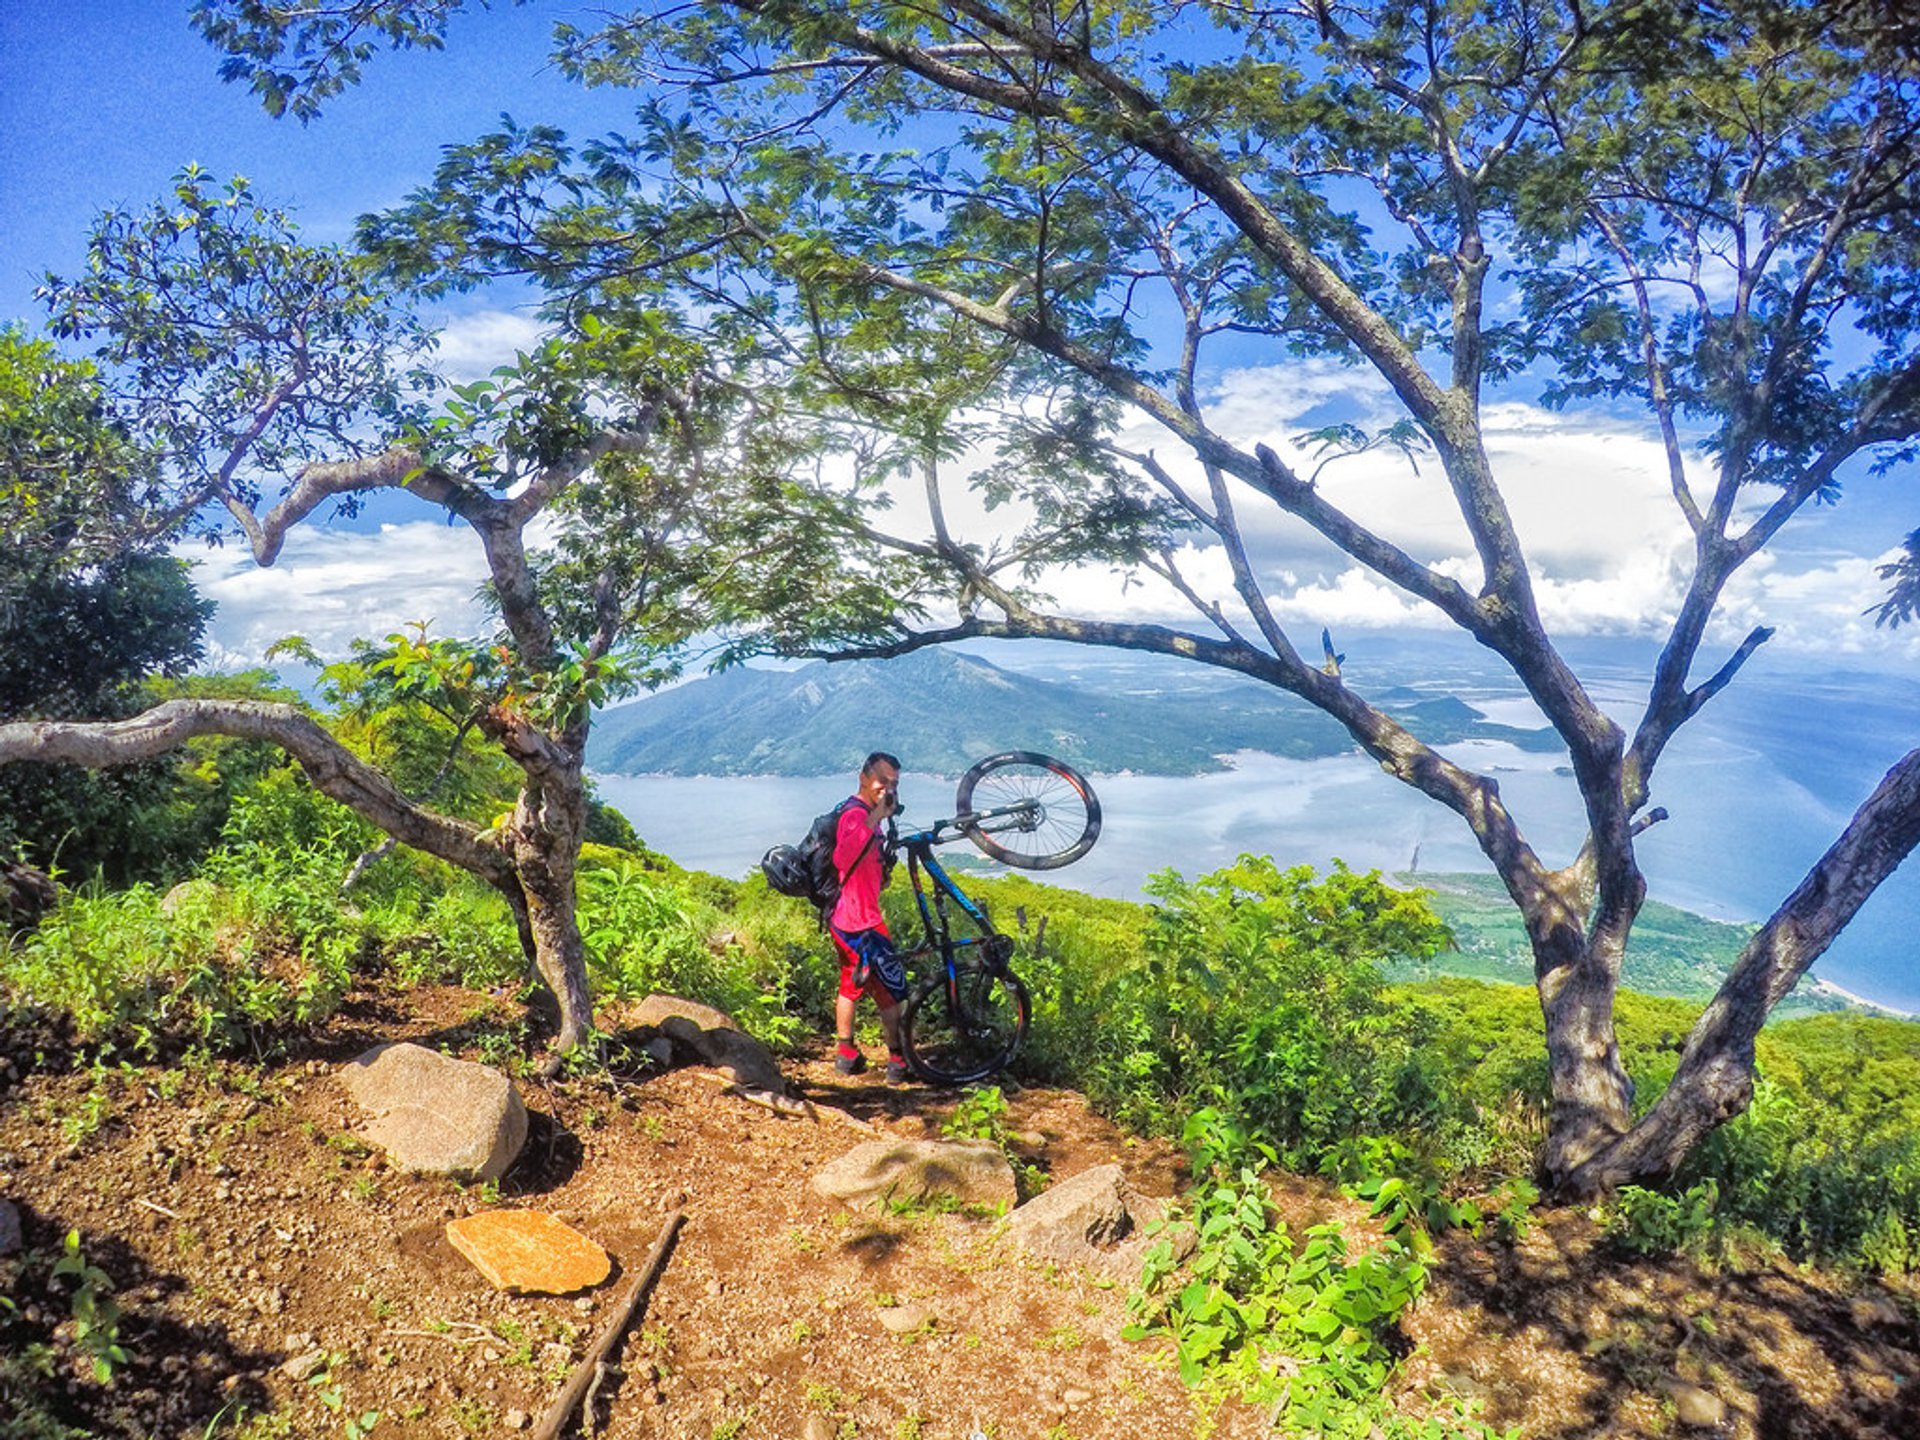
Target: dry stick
[
  {"x": 787, "y": 1104},
  {"x": 588, "y": 1423},
  {"x": 583, "y": 1373}
]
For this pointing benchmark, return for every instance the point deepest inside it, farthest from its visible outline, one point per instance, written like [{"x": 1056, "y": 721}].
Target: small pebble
[
  {"x": 902, "y": 1319},
  {"x": 304, "y": 1367}
]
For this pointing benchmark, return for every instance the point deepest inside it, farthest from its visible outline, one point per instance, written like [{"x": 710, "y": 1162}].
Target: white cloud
[
  {"x": 1817, "y": 604},
  {"x": 1589, "y": 498},
  {"x": 334, "y": 586},
  {"x": 1590, "y": 501},
  {"x": 474, "y": 344}
]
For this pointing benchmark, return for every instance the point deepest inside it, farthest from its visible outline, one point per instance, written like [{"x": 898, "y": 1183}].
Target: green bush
[
  {"x": 1249, "y": 1298},
  {"x": 1638, "y": 1221},
  {"x": 1254, "y": 988},
  {"x": 223, "y": 965},
  {"x": 648, "y": 930}
]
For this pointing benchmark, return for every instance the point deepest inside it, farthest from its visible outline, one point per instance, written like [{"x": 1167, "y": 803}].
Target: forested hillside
[
  {"x": 1672, "y": 952},
  {"x": 946, "y": 709}
]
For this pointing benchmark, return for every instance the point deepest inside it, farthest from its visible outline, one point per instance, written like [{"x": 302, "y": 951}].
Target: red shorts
[{"x": 885, "y": 981}]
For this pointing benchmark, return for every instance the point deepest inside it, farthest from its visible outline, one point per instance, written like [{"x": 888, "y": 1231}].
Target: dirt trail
[{"x": 268, "y": 1265}]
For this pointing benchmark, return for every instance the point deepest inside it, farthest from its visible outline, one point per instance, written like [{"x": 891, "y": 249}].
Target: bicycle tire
[
  {"x": 1069, "y": 815},
  {"x": 944, "y": 1051}
]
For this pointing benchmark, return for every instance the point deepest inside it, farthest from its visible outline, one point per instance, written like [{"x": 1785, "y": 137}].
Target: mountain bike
[{"x": 968, "y": 1018}]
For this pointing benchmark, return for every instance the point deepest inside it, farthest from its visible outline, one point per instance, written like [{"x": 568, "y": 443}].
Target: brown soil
[{"x": 244, "y": 1229}]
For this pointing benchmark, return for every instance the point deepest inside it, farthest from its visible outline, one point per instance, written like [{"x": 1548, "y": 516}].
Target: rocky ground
[{"x": 278, "y": 1279}]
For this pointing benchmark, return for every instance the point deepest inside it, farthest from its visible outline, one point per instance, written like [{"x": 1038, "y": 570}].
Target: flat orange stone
[{"x": 529, "y": 1250}]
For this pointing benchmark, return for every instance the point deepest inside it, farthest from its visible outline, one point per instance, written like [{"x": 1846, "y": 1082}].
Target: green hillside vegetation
[
  {"x": 946, "y": 709},
  {"x": 1260, "y": 1016},
  {"x": 1257, "y": 996},
  {"x": 1247, "y": 1013},
  {"x": 1672, "y": 952}
]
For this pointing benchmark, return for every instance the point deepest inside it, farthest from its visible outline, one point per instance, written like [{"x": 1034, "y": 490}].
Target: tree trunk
[
  {"x": 1592, "y": 1096},
  {"x": 560, "y": 955},
  {"x": 1714, "y": 1081},
  {"x": 549, "y": 826}
]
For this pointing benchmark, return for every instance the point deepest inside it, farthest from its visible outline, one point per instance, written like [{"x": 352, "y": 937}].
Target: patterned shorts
[{"x": 869, "y": 966}]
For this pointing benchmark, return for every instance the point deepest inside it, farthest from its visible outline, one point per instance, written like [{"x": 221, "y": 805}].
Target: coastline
[{"x": 1860, "y": 1002}]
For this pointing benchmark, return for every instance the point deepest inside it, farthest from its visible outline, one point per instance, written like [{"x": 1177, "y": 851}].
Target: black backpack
[{"x": 806, "y": 871}]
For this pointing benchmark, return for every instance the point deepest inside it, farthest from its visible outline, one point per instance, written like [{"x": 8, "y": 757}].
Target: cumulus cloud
[
  {"x": 474, "y": 344},
  {"x": 334, "y": 586},
  {"x": 1589, "y": 497},
  {"x": 1820, "y": 604},
  {"x": 1590, "y": 500}
]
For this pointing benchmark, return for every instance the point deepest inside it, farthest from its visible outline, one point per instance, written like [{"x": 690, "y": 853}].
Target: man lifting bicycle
[{"x": 868, "y": 964}]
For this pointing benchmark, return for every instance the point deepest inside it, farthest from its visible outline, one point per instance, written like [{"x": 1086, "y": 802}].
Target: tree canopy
[
  {"x": 1031, "y": 227},
  {"x": 626, "y": 483}
]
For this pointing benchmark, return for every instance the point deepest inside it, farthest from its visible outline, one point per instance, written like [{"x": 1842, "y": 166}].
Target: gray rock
[
  {"x": 711, "y": 1038},
  {"x": 12, "y": 1235},
  {"x": 187, "y": 892},
  {"x": 305, "y": 1367},
  {"x": 436, "y": 1115},
  {"x": 1097, "y": 1221},
  {"x": 1699, "y": 1408},
  {"x": 972, "y": 1171}
]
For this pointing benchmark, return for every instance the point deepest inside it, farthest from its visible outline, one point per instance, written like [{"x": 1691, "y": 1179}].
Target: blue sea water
[{"x": 1757, "y": 787}]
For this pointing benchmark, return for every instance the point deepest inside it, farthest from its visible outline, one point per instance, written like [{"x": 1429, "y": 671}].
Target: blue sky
[{"x": 102, "y": 102}]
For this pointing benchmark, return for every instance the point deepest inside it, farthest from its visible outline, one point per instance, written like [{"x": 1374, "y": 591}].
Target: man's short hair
[{"x": 877, "y": 759}]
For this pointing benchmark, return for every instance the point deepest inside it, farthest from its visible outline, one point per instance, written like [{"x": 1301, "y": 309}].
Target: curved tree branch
[{"x": 334, "y": 770}]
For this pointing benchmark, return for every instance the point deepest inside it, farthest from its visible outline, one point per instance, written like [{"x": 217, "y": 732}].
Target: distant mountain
[{"x": 940, "y": 710}]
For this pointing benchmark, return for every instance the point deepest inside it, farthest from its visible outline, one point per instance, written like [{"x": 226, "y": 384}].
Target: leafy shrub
[
  {"x": 645, "y": 931},
  {"x": 1258, "y": 984},
  {"x": 1308, "y": 1329},
  {"x": 1645, "y": 1222},
  {"x": 207, "y": 969}
]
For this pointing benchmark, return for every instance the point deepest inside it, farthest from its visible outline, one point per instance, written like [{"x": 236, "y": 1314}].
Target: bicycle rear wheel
[
  {"x": 1028, "y": 810},
  {"x": 967, "y": 1034}
]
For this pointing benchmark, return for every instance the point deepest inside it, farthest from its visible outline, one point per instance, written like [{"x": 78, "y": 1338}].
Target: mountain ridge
[{"x": 941, "y": 710}]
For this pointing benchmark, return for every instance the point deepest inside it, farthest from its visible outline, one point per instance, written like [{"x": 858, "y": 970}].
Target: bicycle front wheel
[
  {"x": 966, "y": 1033},
  {"x": 1028, "y": 810}
]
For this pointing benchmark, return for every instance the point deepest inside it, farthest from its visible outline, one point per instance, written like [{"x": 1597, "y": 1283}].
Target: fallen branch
[
  {"x": 788, "y": 1105},
  {"x": 586, "y": 1372},
  {"x": 767, "y": 1099},
  {"x": 865, "y": 1127},
  {"x": 600, "y": 1373},
  {"x": 158, "y": 1209}
]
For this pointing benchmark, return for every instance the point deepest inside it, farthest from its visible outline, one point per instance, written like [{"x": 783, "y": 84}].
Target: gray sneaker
[
  {"x": 897, "y": 1072},
  {"x": 851, "y": 1064}
]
